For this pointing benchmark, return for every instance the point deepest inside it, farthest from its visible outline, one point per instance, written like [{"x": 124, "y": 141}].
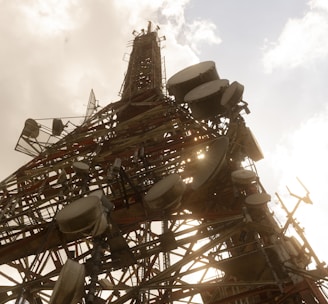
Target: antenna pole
[{"x": 94, "y": 270}]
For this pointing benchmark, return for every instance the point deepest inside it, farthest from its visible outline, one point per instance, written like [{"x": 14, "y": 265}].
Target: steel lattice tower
[{"x": 152, "y": 199}]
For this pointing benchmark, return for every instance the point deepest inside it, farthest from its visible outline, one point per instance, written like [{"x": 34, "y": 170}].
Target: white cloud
[
  {"x": 320, "y": 4},
  {"x": 52, "y": 54},
  {"x": 174, "y": 8},
  {"x": 200, "y": 32},
  {"x": 184, "y": 38},
  {"x": 49, "y": 17},
  {"x": 302, "y": 41},
  {"x": 302, "y": 153}
]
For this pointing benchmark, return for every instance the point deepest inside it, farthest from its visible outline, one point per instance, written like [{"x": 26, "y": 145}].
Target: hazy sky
[{"x": 52, "y": 53}]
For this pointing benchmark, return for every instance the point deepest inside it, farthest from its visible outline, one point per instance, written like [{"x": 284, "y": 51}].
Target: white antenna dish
[
  {"x": 213, "y": 162},
  {"x": 31, "y": 128},
  {"x": 243, "y": 177},
  {"x": 85, "y": 215},
  {"x": 166, "y": 193},
  {"x": 57, "y": 126},
  {"x": 189, "y": 78},
  {"x": 92, "y": 105},
  {"x": 70, "y": 284},
  {"x": 205, "y": 99}
]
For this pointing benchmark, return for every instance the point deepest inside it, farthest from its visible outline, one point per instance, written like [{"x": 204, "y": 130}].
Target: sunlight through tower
[{"x": 154, "y": 198}]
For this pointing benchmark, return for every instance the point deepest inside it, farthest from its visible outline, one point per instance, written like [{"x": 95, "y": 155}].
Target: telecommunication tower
[{"x": 154, "y": 198}]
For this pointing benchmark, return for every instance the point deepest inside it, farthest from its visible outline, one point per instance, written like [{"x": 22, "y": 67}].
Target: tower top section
[{"x": 144, "y": 70}]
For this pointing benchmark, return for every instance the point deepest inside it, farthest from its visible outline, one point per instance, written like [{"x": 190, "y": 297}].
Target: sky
[{"x": 52, "y": 53}]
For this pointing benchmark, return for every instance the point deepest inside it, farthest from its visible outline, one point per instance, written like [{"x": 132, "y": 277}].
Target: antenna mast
[{"x": 154, "y": 199}]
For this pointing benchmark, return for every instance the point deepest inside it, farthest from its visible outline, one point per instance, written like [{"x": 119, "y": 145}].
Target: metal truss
[{"x": 210, "y": 247}]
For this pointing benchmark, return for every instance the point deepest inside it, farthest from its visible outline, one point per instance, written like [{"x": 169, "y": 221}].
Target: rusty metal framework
[
  {"x": 144, "y": 71},
  {"x": 211, "y": 247}
]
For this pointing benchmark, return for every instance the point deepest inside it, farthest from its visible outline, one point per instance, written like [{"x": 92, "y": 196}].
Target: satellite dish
[
  {"x": 251, "y": 146},
  {"x": 232, "y": 95},
  {"x": 92, "y": 105},
  {"x": 81, "y": 168},
  {"x": 243, "y": 176},
  {"x": 257, "y": 199},
  {"x": 189, "y": 78},
  {"x": 57, "y": 127},
  {"x": 205, "y": 100},
  {"x": 166, "y": 193},
  {"x": 213, "y": 162},
  {"x": 85, "y": 215},
  {"x": 31, "y": 128},
  {"x": 69, "y": 287}
]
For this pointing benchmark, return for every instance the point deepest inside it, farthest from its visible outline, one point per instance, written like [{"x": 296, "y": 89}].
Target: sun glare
[
  {"x": 201, "y": 155},
  {"x": 301, "y": 159}
]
